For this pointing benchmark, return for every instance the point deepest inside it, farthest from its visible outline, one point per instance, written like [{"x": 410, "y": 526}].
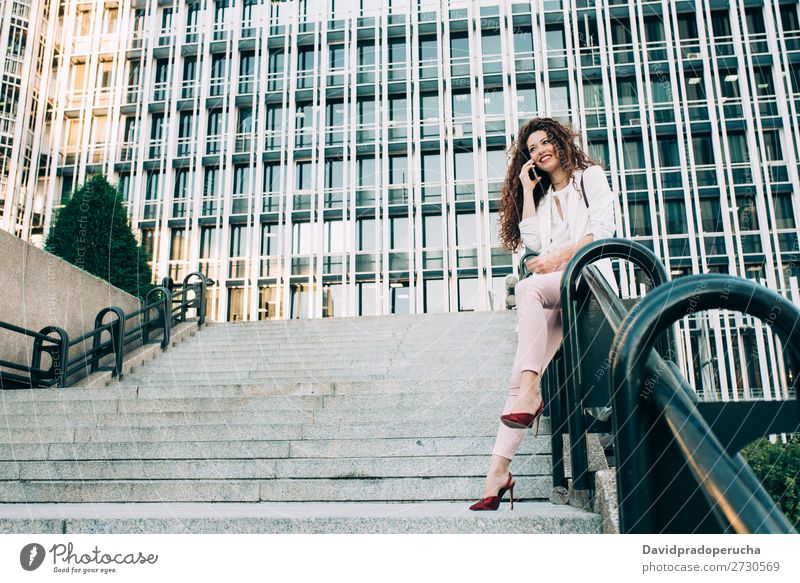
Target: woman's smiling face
[{"x": 543, "y": 151}]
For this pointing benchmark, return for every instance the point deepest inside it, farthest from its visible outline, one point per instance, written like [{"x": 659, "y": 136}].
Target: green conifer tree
[{"x": 93, "y": 232}]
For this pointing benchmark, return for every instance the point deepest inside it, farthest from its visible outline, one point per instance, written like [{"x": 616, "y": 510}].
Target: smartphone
[{"x": 532, "y": 173}]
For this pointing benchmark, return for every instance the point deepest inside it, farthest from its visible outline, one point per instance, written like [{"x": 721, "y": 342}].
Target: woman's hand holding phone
[{"x": 528, "y": 176}]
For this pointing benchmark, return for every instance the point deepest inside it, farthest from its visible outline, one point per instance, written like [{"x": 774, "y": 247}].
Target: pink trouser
[{"x": 539, "y": 334}]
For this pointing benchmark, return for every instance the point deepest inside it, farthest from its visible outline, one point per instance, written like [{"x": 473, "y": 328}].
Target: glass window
[
  {"x": 366, "y": 171},
  {"x": 303, "y": 170},
  {"x": 431, "y": 167},
  {"x": 367, "y": 304},
  {"x": 490, "y": 43},
  {"x": 748, "y": 215},
  {"x": 271, "y": 178},
  {"x": 428, "y": 49},
  {"x": 755, "y": 20},
  {"x": 523, "y": 41},
  {"x": 176, "y": 245},
  {"x": 711, "y": 214},
  {"x": 397, "y": 50},
  {"x": 676, "y": 217},
  {"x": 366, "y": 54},
  {"x": 466, "y": 230},
  {"x": 687, "y": 26},
  {"x": 366, "y": 111},
  {"x": 245, "y": 124},
  {"x": 464, "y": 165},
  {"x": 653, "y": 29},
  {"x": 661, "y": 88},
  {"x": 784, "y": 214},
  {"x": 628, "y": 93},
  {"x": 365, "y": 235},
  {"x": 493, "y": 101},
  {"x": 462, "y": 104},
  {"x": 668, "y": 152},
  {"x": 737, "y": 145},
  {"x": 333, "y": 236},
  {"x": 434, "y": 299},
  {"x": 399, "y": 297},
  {"x": 208, "y": 242},
  {"x": 432, "y": 231},
  {"x": 772, "y": 145},
  {"x": 399, "y": 233},
  {"x": 215, "y": 123},
  {"x": 181, "y": 183},
  {"x": 496, "y": 164},
  {"x": 695, "y": 88},
  {"x": 305, "y": 59},
  {"x": 276, "y": 62},
  {"x": 429, "y": 104},
  {"x": 397, "y": 109},
  {"x": 639, "y": 219},
  {"x": 237, "y": 248},
  {"x": 336, "y": 56},
  {"x": 334, "y": 174},
  {"x": 219, "y": 66},
  {"x": 301, "y": 238},
  {"x": 703, "y": 150},
  {"x": 241, "y": 180},
  {"x": 335, "y": 114},
  {"x": 211, "y": 182},
  {"x": 459, "y": 45},
  {"x": 269, "y": 239},
  {"x": 398, "y": 169},
  {"x": 633, "y": 153},
  {"x": 467, "y": 294},
  {"x": 156, "y": 127},
  {"x": 526, "y": 100}
]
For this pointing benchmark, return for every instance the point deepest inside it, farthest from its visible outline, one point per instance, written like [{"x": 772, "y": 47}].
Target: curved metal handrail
[
  {"x": 159, "y": 299},
  {"x": 611, "y": 248},
  {"x": 739, "y": 502}
]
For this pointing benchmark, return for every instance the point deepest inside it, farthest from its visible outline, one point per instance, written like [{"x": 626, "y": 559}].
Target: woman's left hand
[{"x": 545, "y": 263}]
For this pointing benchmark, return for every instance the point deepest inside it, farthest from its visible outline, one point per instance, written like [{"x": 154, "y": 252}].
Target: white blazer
[{"x": 598, "y": 219}]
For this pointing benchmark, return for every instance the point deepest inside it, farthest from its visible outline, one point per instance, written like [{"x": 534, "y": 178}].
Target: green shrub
[
  {"x": 777, "y": 466},
  {"x": 93, "y": 232}
]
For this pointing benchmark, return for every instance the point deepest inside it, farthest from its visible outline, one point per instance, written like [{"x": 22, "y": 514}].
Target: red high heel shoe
[
  {"x": 493, "y": 502},
  {"x": 524, "y": 420}
]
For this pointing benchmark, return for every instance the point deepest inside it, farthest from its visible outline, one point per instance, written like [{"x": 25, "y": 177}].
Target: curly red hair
[{"x": 570, "y": 154}]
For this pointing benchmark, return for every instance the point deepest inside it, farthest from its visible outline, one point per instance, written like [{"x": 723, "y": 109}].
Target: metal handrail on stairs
[
  {"x": 164, "y": 307},
  {"x": 678, "y": 469}
]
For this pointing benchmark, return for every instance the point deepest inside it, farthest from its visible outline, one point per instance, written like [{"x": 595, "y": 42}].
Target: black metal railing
[
  {"x": 164, "y": 306},
  {"x": 678, "y": 469}
]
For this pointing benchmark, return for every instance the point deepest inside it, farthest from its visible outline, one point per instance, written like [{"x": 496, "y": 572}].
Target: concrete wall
[{"x": 39, "y": 289}]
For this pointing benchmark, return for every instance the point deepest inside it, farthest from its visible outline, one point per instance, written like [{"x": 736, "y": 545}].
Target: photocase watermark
[
  {"x": 67, "y": 560},
  {"x": 31, "y": 556}
]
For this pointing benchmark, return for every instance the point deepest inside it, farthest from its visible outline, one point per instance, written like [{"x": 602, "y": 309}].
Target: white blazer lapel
[{"x": 579, "y": 214}]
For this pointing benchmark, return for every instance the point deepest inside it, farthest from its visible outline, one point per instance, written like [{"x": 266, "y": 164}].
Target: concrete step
[
  {"x": 131, "y": 389},
  {"x": 295, "y": 518},
  {"x": 237, "y": 469},
  {"x": 273, "y": 490},
  {"x": 282, "y": 377},
  {"x": 355, "y": 368},
  {"x": 252, "y": 449},
  {"x": 395, "y": 429},
  {"x": 461, "y": 412},
  {"x": 235, "y": 398}
]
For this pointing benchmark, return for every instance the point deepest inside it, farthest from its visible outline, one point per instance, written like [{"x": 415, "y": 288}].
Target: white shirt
[
  {"x": 542, "y": 234},
  {"x": 560, "y": 227}
]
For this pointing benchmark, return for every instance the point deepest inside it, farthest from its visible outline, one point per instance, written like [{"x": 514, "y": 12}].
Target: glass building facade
[{"x": 322, "y": 158}]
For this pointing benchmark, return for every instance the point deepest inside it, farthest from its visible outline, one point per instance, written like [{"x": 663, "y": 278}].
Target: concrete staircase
[{"x": 379, "y": 424}]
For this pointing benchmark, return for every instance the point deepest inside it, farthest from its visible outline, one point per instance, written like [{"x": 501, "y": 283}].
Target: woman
[{"x": 555, "y": 201}]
